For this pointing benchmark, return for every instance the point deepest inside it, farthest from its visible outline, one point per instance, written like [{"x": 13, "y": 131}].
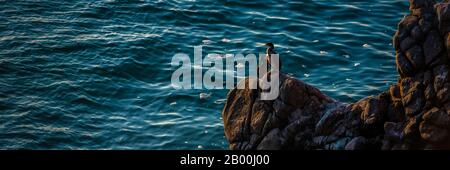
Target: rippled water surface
[{"x": 96, "y": 74}]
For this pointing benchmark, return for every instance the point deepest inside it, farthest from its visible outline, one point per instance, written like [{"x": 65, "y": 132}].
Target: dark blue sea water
[{"x": 96, "y": 74}]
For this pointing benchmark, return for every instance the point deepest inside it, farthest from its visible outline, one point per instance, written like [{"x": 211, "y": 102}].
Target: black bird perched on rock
[{"x": 271, "y": 50}]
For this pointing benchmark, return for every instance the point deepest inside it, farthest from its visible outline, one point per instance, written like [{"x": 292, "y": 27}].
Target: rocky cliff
[{"x": 412, "y": 114}]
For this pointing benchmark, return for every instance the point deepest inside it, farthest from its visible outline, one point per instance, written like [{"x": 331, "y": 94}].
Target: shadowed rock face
[{"x": 412, "y": 114}]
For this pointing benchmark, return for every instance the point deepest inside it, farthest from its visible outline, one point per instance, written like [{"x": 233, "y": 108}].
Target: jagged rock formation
[{"x": 412, "y": 114}]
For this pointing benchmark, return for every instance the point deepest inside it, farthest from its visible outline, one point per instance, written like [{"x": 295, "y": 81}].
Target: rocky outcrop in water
[{"x": 412, "y": 114}]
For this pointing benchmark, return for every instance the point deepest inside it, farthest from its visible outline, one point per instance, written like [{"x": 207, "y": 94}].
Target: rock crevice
[{"x": 414, "y": 113}]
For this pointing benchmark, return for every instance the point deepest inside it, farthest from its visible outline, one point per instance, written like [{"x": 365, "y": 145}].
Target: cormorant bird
[{"x": 271, "y": 50}]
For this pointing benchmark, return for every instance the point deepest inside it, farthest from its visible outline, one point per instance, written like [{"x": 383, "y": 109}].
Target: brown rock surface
[{"x": 412, "y": 114}]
